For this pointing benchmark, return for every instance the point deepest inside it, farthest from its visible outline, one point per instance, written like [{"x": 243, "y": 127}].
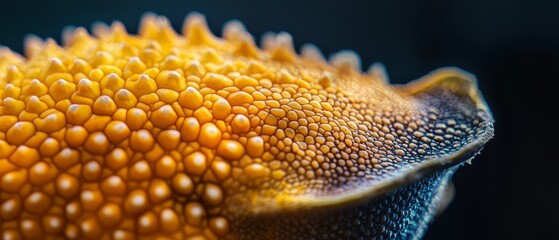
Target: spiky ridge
[{"x": 123, "y": 136}]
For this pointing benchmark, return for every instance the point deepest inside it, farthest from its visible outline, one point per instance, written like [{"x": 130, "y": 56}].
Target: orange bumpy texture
[{"x": 162, "y": 135}]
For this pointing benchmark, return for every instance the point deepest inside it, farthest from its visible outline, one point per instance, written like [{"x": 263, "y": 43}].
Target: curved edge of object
[
  {"x": 454, "y": 79},
  {"x": 458, "y": 82}
]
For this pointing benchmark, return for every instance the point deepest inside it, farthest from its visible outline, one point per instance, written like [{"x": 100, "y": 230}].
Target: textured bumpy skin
[
  {"x": 402, "y": 214},
  {"x": 167, "y": 136}
]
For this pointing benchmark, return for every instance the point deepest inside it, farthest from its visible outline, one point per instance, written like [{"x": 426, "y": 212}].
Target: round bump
[
  {"x": 76, "y": 136},
  {"x": 165, "y": 167},
  {"x": 255, "y": 146},
  {"x": 190, "y": 129},
  {"x": 113, "y": 186},
  {"x": 125, "y": 99},
  {"x": 24, "y": 156},
  {"x": 140, "y": 171},
  {"x": 41, "y": 173},
  {"x": 91, "y": 200},
  {"x": 221, "y": 109},
  {"x": 13, "y": 181},
  {"x": 158, "y": 191},
  {"x": 49, "y": 147},
  {"x": 20, "y": 132},
  {"x": 210, "y": 135},
  {"x": 219, "y": 226},
  {"x": 216, "y": 81},
  {"x": 194, "y": 213},
  {"x": 240, "y": 124},
  {"x": 169, "y": 220},
  {"x": 191, "y": 98},
  {"x": 136, "y": 201},
  {"x": 37, "y": 203},
  {"x": 116, "y": 159},
  {"x": 136, "y": 118},
  {"x": 91, "y": 171},
  {"x": 230, "y": 149},
  {"x": 66, "y": 158},
  {"x": 239, "y": 98},
  {"x": 10, "y": 208},
  {"x": 73, "y": 211},
  {"x": 213, "y": 195},
  {"x": 167, "y": 96},
  {"x": 104, "y": 105},
  {"x": 195, "y": 163},
  {"x": 169, "y": 139},
  {"x": 72, "y": 232},
  {"x": 256, "y": 170},
  {"x": 30, "y": 228},
  {"x": 91, "y": 228},
  {"x": 221, "y": 169},
  {"x": 97, "y": 143},
  {"x": 53, "y": 224},
  {"x": 171, "y": 80},
  {"x": 147, "y": 223},
  {"x": 110, "y": 215},
  {"x": 141, "y": 141},
  {"x": 164, "y": 117},
  {"x": 67, "y": 186},
  {"x": 182, "y": 184},
  {"x": 117, "y": 131}
]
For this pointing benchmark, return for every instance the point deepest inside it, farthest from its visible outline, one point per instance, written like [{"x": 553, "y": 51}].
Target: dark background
[{"x": 510, "y": 191}]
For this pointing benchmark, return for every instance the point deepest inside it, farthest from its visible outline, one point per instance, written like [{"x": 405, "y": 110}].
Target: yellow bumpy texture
[{"x": 123, "y": 136}]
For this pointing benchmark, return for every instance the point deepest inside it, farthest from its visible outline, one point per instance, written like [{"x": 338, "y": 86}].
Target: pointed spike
[
  {"x": 100, "y": 29},
  {"x": 54, "y": 65},
  {"x": 13, "y": 106},
  {"x": 102, "y": 58},
  {"x": 134, "y": 65},
  {"x": 148, "y": 24},
  {"x": 118, "y": 29},
  {"x": 154, "y": 45},
  {"x": 326, "y": 79},
  {"x": 378, "y": 71},
  {"x": 72, "y": 35},
  {"x": 311, "y": 52},
  {"x": 172, "y": 62},
  {"x": 196, "y": 30},
  {"x": 80, "y": 66},
  {"x": 36, "y": 87},
  {"x": 11, "y": 91},
  {"x": 159, "y": 27},
  {"x": 268, "y": 41},
  {"x": 167, "y": 31},
  {"x": 13, "y": 74},
  {"x": 234, "y": 30},
  {"x": 280, "y": 46},
  {"x": 68, "y": 35},
  {"x": 284, "y": 40},
  {"x": 50, "y": 49},
  {"x": 61, "y": 89},
  {"x": 35, "y": 105},
  {"x": 7, "y": 57},
  {"x": 346, "y": 60},
  {"x": 111, "y": 83},
  {"x": 88, "y": 89},
  {"x": 32, "y": 45},
  {"x": 247, "y": 47}
]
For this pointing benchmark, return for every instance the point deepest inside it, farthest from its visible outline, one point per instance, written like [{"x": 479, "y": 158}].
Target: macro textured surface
[
  {"x": 194, "y": 136},
  {"x": 402, "y": 214}
]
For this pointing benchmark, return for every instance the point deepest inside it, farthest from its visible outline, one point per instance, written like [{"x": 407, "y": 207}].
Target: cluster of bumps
[{"x": 122, "y": 136}]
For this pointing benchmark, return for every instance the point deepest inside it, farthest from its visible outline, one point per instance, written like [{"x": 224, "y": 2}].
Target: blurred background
[{"x": 510, "y": 190}]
